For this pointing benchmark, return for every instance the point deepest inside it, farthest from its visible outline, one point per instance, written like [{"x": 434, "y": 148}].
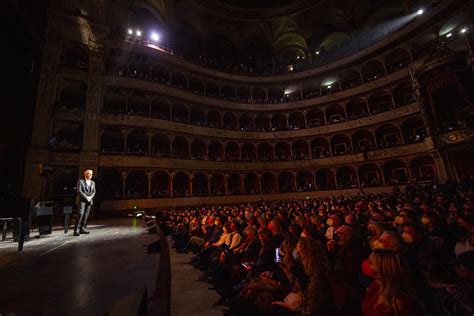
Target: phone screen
[{"x": 277, "y": 255}]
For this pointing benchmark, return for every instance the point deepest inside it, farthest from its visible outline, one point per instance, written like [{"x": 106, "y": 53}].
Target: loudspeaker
[{"x": 154, "y": 247}]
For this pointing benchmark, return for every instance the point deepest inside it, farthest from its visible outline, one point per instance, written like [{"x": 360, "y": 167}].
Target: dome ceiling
[{"x": 263, "y": 32}]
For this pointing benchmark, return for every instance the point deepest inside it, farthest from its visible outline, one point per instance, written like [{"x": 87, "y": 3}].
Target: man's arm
[
  {"x": 80, "y": 189},
  {"x": 93, "y": 190}
]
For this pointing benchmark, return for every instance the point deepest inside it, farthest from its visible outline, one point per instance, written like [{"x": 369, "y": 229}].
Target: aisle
[{"x": 188, "y": 296}]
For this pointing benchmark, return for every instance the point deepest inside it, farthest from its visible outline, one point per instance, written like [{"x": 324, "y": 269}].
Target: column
[
  {"x": 149, "y": 175},
  {"x": 124, "y": 182},
  {"x": 38, "y": 151},
  {"x": 150, "y": 134}
]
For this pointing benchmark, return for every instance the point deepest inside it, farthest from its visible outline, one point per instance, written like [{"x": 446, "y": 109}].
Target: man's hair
[{"x": 88, "y": 171}]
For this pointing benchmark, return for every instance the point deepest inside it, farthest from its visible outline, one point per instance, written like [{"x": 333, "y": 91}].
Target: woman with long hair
[
  {"x": 314, "y": 292},
  {"x": 391, "y": 293}
]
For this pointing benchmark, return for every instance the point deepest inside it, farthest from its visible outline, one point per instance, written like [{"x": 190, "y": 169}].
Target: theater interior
[{"x": 299, "y": 157}]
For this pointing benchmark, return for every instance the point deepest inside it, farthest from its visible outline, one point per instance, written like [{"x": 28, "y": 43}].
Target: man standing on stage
[{"x": 85, "y": 196}]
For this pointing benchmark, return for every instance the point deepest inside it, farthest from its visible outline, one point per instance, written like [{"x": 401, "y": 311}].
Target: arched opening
[
  {"x": 335, "y": 114},
  {"x": 196, "y": 85},
  {"x": 363, "y": 140},
  {"x": 160, "y": 185},
  {"x": 395, "y": 172},
  {"x": 180, "y": 113},
  {"x": 262, "y": 123},
  {"x": 304, "y": 181},
  {"x": 76, "y": 56},
  {"x": 315, "y": 118},
  {"x": 181, "y": 185},
  {"x": 198, "y": 149},
  {"x": 217, "y": 184},
  {"x": 325, "y": 179},
  {"x": 136, "y": 185},
  {"x": 269, "y": 183},
  {"x": 197, "y": 117},
  {"x": 413, "y": 130},
  {"x": 279, "y": 122},
  {"x": 138, "y": 69},
  {"x": 212, "y": 89},
  {"x": 282, "y": 151},
  {"x": 422, "y": 44},
  {"x": 320, "y": 148},
  {"x": 67, "y": 136},
  {"x": 259, "y": 95},
  {"x": 251, "y": 185},
  {"x": 350, "y": 79},
  {"x": 112, "y": 184},
  {"x": 216, "y": 151},
  {"x": 356, "y": 109},
  {"x": 370, "y": 175},
  {"x": 246, "y": 123},
  {"x": 160, "y": 74},
  {"x": 200, "y": 184},
  {"x": 286, "y": 182},
  {"x": 228, "y": 93},
  {"x": 137, "y": 143},
  {"x": 265, "y": 152},
  {"x": 180, "y": 147},
  {"x": 114, "y": 101},
  {"x": 111, "y": 141},
  {"x": 275, "y": 96},
  {"x": 249, "y": 152},
  {"x": 160, "y": 145},
  {"x": 380, "y": 101},
  {"x": 230, "y": 121},
  {"x": 372, "y": 70},
  {"x": 404, "y": 94},
  {"x": 423, "y": 169},
  {"x": 232, "y": 151},
  {"x": 301, "y": 150},
  {"x": 397, "y": 59},
  {"x": 138, "y": 104},
  {"x": 243, "y": 95},
  {"x": 346, "y": 177},
  {"x": 388, "y": 136},
  {"x": 214, "y": 119},
  {"x": 341, "y": 145},
  {"x": 234, "y": 184},
  {"x": 178, "y": 80},
  {"x": 296, "y": 121},
  {"x": 116, "y": 64},
  {"x": 160, "y": 108},
  {"x": 73, "y": 95}
]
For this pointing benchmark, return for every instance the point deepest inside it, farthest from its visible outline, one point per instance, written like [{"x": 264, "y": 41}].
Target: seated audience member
[{"x": 391, "y": 292}]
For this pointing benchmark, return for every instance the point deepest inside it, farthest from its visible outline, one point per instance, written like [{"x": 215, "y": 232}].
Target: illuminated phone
[{"x": 277, "y": 255}]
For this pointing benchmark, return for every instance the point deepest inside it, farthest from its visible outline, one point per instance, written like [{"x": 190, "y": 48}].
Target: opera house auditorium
[{"x": 238, "y": 157}]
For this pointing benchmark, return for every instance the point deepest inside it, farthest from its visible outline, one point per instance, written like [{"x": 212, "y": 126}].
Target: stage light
[
  {"x": 317, "y": 52},
  {"x": 297, "y": 57},
  {"x": 449, "y": 35},
  {"x": 464, "y": 30},
  {"x": 139, "y": 33},
  {"x": 329, "y": 87},
  {"x": 155, "y": 37},
  {"x": 420, "y": 12},
  {"x": 130, "y": 32}
]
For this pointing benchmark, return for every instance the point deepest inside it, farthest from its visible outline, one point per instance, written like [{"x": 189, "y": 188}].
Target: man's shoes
[
  {"x": 76, "y": 233},
  {"x": 83, "y": 231}
]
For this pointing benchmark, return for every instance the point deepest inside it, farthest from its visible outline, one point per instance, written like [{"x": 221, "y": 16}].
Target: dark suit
[{"x": 84, "y": 191}]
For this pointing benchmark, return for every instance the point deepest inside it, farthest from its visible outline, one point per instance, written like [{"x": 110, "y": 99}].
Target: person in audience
[{"x": 391, "y": 292}]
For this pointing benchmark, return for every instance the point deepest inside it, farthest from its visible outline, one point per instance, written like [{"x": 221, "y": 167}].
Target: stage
[{"x": 60, "y": 274}]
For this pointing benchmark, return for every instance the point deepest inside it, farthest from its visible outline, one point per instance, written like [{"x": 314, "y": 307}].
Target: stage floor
[{"x": 61, "y": 274}]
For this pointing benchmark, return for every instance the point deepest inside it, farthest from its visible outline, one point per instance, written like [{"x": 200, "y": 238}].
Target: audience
[{"x": 398, "y": 253}]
